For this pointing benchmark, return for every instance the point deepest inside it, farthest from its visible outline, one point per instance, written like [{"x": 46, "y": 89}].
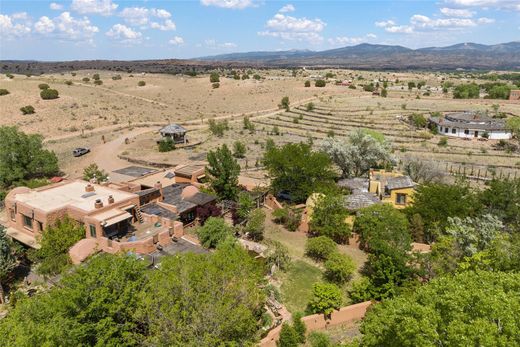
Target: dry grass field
[{"x": 86, "y": 112}]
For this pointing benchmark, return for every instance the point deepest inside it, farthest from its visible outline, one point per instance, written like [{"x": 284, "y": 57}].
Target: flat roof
[
  {"x": 71, "y": 194},
  {"x": 165, "y": 177},
  {"x": 135, "y": 171}
]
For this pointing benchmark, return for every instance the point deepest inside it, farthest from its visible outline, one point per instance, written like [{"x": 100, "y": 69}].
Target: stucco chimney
[
  {"x": 89, "y": 188},
  {"x": 158, "y": 185},
  {"x": 98, "y": 203},
  {"x": 110, "y": 199}
]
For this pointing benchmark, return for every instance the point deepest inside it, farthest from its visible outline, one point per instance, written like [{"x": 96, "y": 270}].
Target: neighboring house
[
  {"x": 471, "y": 125},
  {"x": 120, "y": 217},
  {"x": 514, "y": 95},
  {"x": 174, "y": 132},
  {"x": 391, "y": 187}
]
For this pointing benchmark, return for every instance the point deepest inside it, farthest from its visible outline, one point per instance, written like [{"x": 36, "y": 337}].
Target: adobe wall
[
  {"x": 318, "y": 322},
  {"x": 272, "y": 203}
]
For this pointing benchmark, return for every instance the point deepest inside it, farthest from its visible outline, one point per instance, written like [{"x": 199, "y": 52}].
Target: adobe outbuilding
[{"x": 471, "y": 125}]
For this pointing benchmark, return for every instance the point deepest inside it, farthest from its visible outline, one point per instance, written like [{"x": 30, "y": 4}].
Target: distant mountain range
[{"x": 370, "y": 56}]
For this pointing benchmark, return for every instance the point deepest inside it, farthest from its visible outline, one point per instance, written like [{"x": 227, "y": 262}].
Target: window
[
  {"x": 446, "y": 130},
  {"x": 40, "y": 225},
  {"x": 13, "y": 215},
  {"x": 466, "y": 132},
  {"x": 476, "y": 134},
  {"x": 400, "y": 199},
  {"x": 92, "y": 229},
  {"x": 453, "y": 131},
  {"x": 27, "y": 222}
]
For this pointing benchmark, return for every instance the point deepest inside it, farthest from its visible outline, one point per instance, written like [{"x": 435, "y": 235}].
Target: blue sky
[{"x": 112, "y": 29}]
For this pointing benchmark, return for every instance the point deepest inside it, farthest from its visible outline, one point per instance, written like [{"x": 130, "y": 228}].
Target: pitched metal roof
[
  {"x": 399, "y": 182},
  {"x": 157, "y": 210},
  {"x": 354, "y": 184},
  {"x": 469, "y": 120},
  {"x": 358, "y": 200},
  {"x": 173, "y": 129}
]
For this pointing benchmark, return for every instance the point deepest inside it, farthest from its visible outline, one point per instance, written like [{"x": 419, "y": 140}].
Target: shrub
[
  {"x": 27, "y": 109},
  {"x": 218, "y": 128},
  {"x": 257, "y": 77},
  {"x": 96, "y": 77},
  {"x": 214, "y": 231},
  {"x": 352, "y": 86},
  {"x": 255, "y": 225},
  {"x": 43, "y": 86},
  {"x": 320, "y": 83},
  {"x": 10, "y": 76},
  {"x": 443, "y": 141},
  {"x": 369, "y": 87},
  {"x": 215, "y": 85},
  {"x": 320, "y": 248},
  {"x": 288, "y": 336},
  {"x": 3, "y": 92},
  {"x": 309, "y": 106},
  {"x": 49, "y": 94},
  {"x": 384, "y": 93},
  {"x": 86, "y": 79},
  {"x": 339, "y": 268},
  {"x": 299, "y": 327},
  {"x": 307, "y": 84},
  {"x": 98, "y": 82},
  {"x": 93, "y": 171},
  {"x": 327, "y": 297},
  {"x": 214, "y": 77},
  {"x": 69, "y": 83},
  {"x": 239, "y": 149},
  {"x": 141, "y": 83},
  {"x": 284, "y": 103},
  {"x": 318, "y": 339},
  {"x": 466, "y": 91},
  {"x": 418, "y": 120},
  {"x": 166, "y": 145},
  {"x": 116, "y": 77}
]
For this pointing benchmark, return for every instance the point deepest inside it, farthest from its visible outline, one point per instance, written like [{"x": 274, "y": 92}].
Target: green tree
[
  {"x": 513, "y": 125},
  {"x": 4, "y": 92},
  {"x": 92, "y": 306},
  {"x": 223, "y": 171},
  {"x": 297, "y": 169},
  {"x": 277, "y": 254},
  {"x": 245, "y": 205},
  {"x": 214, "y": 77},
  {"x": 255, "y": 226},
  {"x": 204, "y": 299},
  {"x": 382, "y": 229},
  {"x": 320, "y": 83},
  {"x": 358, "y": 153},
  {"x": 442, "y": 313},
  {"x": 299, "y": 326},
  {"x": 49, "y": 94},
  {"x": 339, "y": 268},
  {"x": 43, "y": 86},
  {"x": 319, "y": 339},
  {"x": 214, "y": 231},
  {"x": 166, "y": 145},
  {"x": 502, "y": 199},
  {"x": 141, "y": 83},
  {"x": 309, "y": 106},
  {"x": 326, "y": 298},
  {"x": 93, "y": 171},
  {"x": 22, "y": 157},
  {"x": 7, "y": 261},
  {"x": 239, "y": 149},
  {"x": 384, "y": 93},
  {"x": 329, "y": 218},
  {"x": 411, "y": 85},
  {"x": 466, "y": 91},
  {"x": 288, "y": 336},
  {"x": 435, "y": 202},
  {"x": 320, "y": 248},
  {"x": 307, "y": 84},
  {"x": 56, "y": 240}
]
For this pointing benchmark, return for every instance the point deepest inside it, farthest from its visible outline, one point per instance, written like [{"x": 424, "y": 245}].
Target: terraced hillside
[{"x": 339, "y": 115}]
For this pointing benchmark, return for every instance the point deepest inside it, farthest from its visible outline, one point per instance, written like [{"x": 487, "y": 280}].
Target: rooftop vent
[
  {"x": 110, "y": 199},
  {"x": 89, "y": 188},
  {"x": 98, "y": 203}
]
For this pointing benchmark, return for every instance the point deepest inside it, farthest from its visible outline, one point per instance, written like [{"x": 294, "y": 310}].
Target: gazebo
[{"x": 175, "y": 132}]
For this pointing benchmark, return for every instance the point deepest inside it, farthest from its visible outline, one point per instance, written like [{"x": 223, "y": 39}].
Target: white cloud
[
  {"x": 176, "y": 41},
  {"x": 292, "y": 28},
  {"x": 11, "y": 27},
  {"x": 124, "y": 34},
  {"x": 213, "y": 44},
  {"x": 142, "y": 17},
  {"x": 345, "y": 40},
  {"x": 453, "y": 12},
  {"x": 166, "y": 26},
  {"x": 20, "y": 15},
  {"x": 419, "y": 22},
  {"x": 55, "y": 6},
  {"x": 287, "y": 8},
  {"x": 66, "y": 27},
  {"x": 232, "y": 4},
  {"x": 499, "y": 4},
  {"x": 100, "y": 7}
]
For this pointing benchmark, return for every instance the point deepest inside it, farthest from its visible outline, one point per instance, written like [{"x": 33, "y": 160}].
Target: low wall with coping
[
  {"x": 272, "y": 203},
  {"x": 316, "y": 322}
]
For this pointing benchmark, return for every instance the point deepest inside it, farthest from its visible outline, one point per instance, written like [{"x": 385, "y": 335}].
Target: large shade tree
[
  {"x": 357, "y": 153},
  {"x": 23, "y": 157},
  {"x": 469, "y": 309},
  {"x": 298, "y": 170}
]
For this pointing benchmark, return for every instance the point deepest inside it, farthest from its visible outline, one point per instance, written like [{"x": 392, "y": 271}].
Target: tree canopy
[
  {"x": 297, "y": 169},
  {"x": 471, "y": 308},
  {"x": 22, "y": 157},
  {"x": 358, "y": 153},
  {"x": 223, "y": 171},
  {"x": 214, "y": 231},
  {"x": 329, "y": 218}
]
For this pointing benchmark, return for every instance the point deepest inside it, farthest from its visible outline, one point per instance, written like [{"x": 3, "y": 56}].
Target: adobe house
[
  {"x": 391, "y": 187},
  {"x": 514, "y": 95},
  {"x": 471, "y": 125},
  {"x": 174, "y": 132},
  {"x": 119, "y": 217}
]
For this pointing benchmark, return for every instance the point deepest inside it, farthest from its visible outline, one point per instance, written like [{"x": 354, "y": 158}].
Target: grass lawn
[{"x": 297, "y": 284}]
